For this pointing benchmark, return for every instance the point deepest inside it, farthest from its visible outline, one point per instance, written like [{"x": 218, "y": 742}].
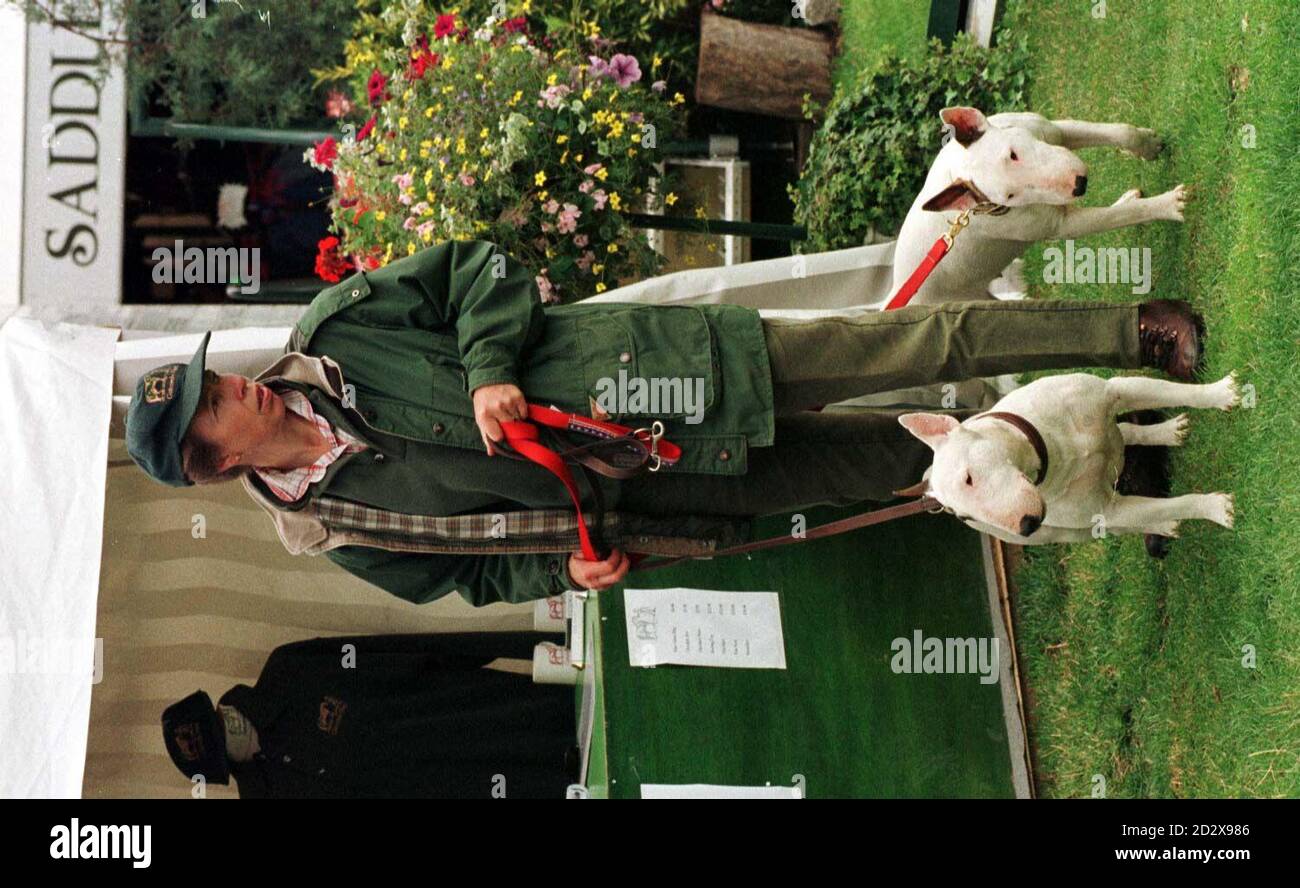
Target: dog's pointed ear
[
  {"x": 968, "y": 124},
  {"x": 957, "y": 196},
  {"x": 920, "y": 488},
  {"x": 932, "y": 428}
]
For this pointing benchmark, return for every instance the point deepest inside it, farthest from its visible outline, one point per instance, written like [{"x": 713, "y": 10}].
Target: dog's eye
[
  {"x": 969, "y": 482},
  {"x": 1014, "y": 155}
]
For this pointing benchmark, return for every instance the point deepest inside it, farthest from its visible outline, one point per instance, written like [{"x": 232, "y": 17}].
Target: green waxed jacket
[{"x": 415, "y": 338}]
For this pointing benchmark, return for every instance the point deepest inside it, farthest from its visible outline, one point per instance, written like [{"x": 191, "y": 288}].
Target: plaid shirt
[{"x": 290, "y": 484}]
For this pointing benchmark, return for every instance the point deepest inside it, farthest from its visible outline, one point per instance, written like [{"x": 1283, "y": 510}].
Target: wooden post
[{"x": 761, "y": 69}]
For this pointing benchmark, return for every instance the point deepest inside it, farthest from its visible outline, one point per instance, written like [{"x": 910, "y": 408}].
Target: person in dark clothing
[{"x": 384, "y": 716}]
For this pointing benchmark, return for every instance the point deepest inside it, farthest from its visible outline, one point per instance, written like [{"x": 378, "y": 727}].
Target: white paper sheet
[
  {"x": 713, "y": 791},
  {"x": 702, "y": 627}
]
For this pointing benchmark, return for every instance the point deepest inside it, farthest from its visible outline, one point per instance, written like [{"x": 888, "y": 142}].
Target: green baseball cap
[{"x": 164, "y": 403}]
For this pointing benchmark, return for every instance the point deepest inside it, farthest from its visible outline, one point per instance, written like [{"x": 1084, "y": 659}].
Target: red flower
[
  {"x": 326, "y": 152},
  {"x": 445, "y": 24},
  {"x": 421, "y": 63},
  {"x": 330, "y": 266},
  {"x": 366, "y": 129},
  {"x": 375, "y": 88},
  {"x": 515, "y": 24}
]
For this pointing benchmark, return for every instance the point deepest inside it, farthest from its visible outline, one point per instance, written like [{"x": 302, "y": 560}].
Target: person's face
[{"x": 238, "y": 416}]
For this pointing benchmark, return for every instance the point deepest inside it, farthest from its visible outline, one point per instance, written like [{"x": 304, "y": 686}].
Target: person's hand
[
  {"x": 598, "y": 575},
  {"x": 494, "y": 404}
]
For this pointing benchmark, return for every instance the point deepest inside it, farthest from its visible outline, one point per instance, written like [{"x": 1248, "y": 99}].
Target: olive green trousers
[{"x": 844, "y": 457}]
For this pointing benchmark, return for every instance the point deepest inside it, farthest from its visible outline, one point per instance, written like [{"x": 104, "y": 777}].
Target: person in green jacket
[{"x": 437, "y": 349}]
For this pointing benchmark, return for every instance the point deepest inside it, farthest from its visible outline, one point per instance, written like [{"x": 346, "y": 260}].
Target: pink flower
[
  {"x": 553, "y": 96},
  {"x": 568, "y": 220},
  {"x": 551, "y": 206},
  {"x": 584, "y": 261},
  {"x": 600, "y": 197},
  {"x": 599, "y": 68},
  {"x": 337, "y": 104},
  {"x": 580, "y": 240},
  {"x": 403, "y": 180},
  {"x": 659, "y": 85},
  {"x": 467, "y": 180},
  {"x": 592, "y": 170},
  {"x": 547, "y": 227},
  {"x": 586, "y": 186},
  {"x": 624, "y": 70},
  {"x": 409, "y": 223}
]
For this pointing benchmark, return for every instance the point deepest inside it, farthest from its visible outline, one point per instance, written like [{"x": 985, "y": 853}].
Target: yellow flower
[
  {"x": 564, "y": 156},
  {"x": 635, "y": 138},
  {"x": 410, "y": 248},
  {"x": 406, "y": 96},
  {"x": 483, "y": 133},
  {"x": 446, "y": 63},
  {"x": 380, "y": 215},
  {"x": 656, "y": 62},
  {"x": 615, "y": 202},
  {"x": 561, "y": 139},
  {"x": 577, "y": 158},
  {"x": 597, "y": 269},
  {"x": 699, "y": 212},
  {"x": 678, "y": 98},
  {"x": 586, "y": 94},
  {"x": 542, "y": 195},
  {"x": 428, "y": 175},
  {"x": 631, "y": 152},
  {"x": 401, "y": 155},
  {"x": 670, "y": 199},
  {"x": 613, "y": 248},
  {"x": 401, "y": 122},
  {"x": 539, "y": 179},
  {"x": 600, "y": 287},
  {"x": 602, "y": 174},
  {"x": 519, "y": 94},
  {"x": 551, "y": 80},
  {"x": 428, "y": 112}
]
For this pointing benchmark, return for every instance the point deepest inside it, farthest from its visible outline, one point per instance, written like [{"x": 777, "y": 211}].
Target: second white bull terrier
[
  {"x": 1041, "y": 466},
  {"x": 1026, "y": 163}
]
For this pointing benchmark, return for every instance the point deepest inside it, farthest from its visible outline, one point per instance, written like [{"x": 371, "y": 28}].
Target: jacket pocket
[{"x": 651, "y": 361}]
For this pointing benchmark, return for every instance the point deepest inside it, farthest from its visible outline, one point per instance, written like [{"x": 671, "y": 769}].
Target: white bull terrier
[
  {"x": 1026, "y": 163},
  {"x": 1041, "y": 466}
]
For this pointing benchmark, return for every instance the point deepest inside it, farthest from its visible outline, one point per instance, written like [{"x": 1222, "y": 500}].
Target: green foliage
[
  {"x": 236, "y": 64},
  {"x": 766, "y": 12},
  {"x": 869, "y": 158}
]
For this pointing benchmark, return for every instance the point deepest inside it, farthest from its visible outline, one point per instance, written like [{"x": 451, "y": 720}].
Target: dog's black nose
[
  {"x": 1080, "y": 185},
  {"x": 1029, "y": 524}
]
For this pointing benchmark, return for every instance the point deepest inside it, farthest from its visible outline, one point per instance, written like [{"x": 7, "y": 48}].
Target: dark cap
[
  {"x": 164, "y": 403},
  {"x": 195, "y": 737}
]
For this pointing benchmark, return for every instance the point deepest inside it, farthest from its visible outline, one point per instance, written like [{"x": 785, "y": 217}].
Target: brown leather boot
[{"x": 1171, "y": 333}]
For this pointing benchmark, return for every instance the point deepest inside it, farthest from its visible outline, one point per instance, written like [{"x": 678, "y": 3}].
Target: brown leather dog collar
[{"x": 1027, "y": 429}]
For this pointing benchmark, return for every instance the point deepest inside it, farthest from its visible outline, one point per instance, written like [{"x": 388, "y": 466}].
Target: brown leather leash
[{"x": 831, "y": 528}]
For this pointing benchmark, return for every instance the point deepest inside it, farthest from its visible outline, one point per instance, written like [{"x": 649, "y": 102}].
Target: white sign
[
  {"x": 701, "y": 627},
  {"x": 75, "y": 152}
]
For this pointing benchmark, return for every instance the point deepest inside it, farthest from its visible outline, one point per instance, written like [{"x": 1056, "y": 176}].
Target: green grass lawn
[
  {"x": 868, "y": 26},
  {"x": 1136, "y": 665}
]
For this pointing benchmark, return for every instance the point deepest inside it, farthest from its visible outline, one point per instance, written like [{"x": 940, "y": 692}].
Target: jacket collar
[{"x": 298, "y": 530}]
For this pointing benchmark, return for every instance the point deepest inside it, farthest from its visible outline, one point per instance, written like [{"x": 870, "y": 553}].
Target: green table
[{"x": 838, "y": 719}]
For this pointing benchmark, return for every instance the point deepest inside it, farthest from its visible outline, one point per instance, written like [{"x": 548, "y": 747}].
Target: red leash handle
[
  {"x": 523, "y": 437},
  {"x": 917, "y": 278}
]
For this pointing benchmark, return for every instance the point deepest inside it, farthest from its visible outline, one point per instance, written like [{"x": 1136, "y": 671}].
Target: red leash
[{"x": 524, "y": 437}]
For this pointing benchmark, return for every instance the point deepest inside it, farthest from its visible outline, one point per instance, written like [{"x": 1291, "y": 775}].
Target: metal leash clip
[
  {"x": 958, "y": 224},
  {"x": 656, "y": 431}
]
